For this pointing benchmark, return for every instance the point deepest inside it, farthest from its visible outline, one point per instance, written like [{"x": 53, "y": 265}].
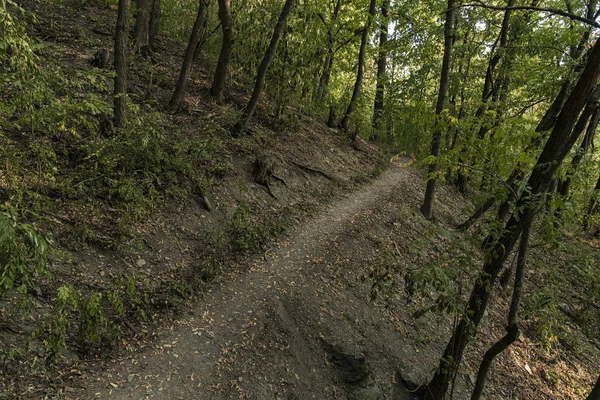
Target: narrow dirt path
[{"x": 266, "y": 333}]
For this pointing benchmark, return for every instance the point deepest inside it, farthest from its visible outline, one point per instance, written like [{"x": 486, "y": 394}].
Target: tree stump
[
  {"x": 264, "y": 170},
  {"x": 100, "y": 59}
]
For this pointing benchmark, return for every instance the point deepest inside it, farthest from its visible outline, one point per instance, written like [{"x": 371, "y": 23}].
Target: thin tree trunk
[
  {"x": 591, "y": 114},
  {"x": 331, "y": 117},
  {"x": 198, "y": 33},
  {"x": 325, "y": 76},
  {"x": 381, "y": 68},
  {"x": 490, "y": 89},
  {"x": 549, "y": 118},
  {"x": 512, "y": 330},
  {"x": 345, "y": 123},
  {"x": 142, "y": 26},
  {"x": 427, "y": 207},
  {"x": 328, "y": 63},
  {"x": 121, "y": 44},
  {"x": 154, "y": 24},
  {"x": 592, "y": 206},
  {"x": 218, "y": 84},
  {"x": 490, "y": 202},
  {"x": 557, "y": 147},
  {"x": 247, "y": 113},
  {"x": 595, "y": 393},
  {"x": 547, "y": 122}
]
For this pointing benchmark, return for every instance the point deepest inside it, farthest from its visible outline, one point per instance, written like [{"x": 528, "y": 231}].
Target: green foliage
[
  {"x": 178, "y": 17},
  {"x": 93, "y": 319},
  {"x": 136, "y": 294},
  {"x": 542, "y": 309},
  {"x": 439, "y": 282},
  {"x": 59, "y": 322},
  {"x": 142, "y": 166},
  {"x": 23, "y": 252},
  {"x": 17, "y": 58},
  {"x": 84, "y": 314},
  {"x": 47, "y": 99},
  {"x": 587, "y": 272}
]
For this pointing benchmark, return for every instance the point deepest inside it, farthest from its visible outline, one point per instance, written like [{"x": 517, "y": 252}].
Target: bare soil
[
  {"x": 266, "y": 332},
  {"x": 301, "y": 322}
]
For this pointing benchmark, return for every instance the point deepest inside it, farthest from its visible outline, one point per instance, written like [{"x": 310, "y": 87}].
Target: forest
[{"x": 159, "y": 158}]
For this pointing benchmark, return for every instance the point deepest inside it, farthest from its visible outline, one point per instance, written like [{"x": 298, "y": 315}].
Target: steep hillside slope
[{"x": 143, "y": 219}]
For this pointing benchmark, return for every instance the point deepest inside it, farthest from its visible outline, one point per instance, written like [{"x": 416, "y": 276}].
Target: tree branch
[{"x": 532, "y": 8}]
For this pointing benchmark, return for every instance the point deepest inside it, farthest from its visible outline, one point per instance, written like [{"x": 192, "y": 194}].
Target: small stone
[
  {"x": 141, "y": 262},
  {"x": 130, "y": 377}
]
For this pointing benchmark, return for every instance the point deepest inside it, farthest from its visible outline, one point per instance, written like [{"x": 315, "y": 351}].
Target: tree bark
[
  {"x": 331, "y": 117},
  {"x": 381, "y": 68},
  {"x": 142, "y": 26},
  {"x": 549, "y": 118},
  {"x": 512, "y": 330},
  {"x": 344, "y": 124},
  {"x": 218, "y": 84},
  {"x": 328, "y": 63},
  {"x": 590, "y": 116},
  {"x": 154, "y": 24},
  {"x": 121, "y": 44},
  {"x": 547, "y": 122},
  {"x": 592, "y": 206},
  {"x": 427, "y": 207},
  {"x": 557, "y": 147},
  {"x": 198, "y": 32},
  {"x": 248, "y": 111},
  {"x": 490, "y": 88}
]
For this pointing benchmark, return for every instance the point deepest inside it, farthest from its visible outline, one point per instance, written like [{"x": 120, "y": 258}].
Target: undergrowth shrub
[
  {"x": 141, "y": 165},
  {"x": 23, "y": 253},
  {"x": 91, "y": 321},
  {"x": 542, "y": 310}
]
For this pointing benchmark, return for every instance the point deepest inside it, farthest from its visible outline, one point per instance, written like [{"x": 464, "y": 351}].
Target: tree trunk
[
  {"x": 427, "y": 207},
  {"x": 218, "y": 84},
  {"x": 198, "y": 33},
  {"x": 512, "y": 330},
  {"x": 331, "y": 117},
  {"x": 547, "y": 122},
  {"x": 328, "y": 63},
  {"x": 510, "y": 182},
  {"x": 142, "y": 26},
  {"x": 549, "y": 118},
  {"x": 595, "y": 393},
  {"x": 591, "y": 114},
  {"x": 592, "y": 206},
  {"x": 360, "y": 72},
  {"x": 247, "y": 113},
  {"x": 121, "y": 44},
  {"x": 490, "y": 89},
  {"x": 557, "y": 147},
  {"x": 154, "y": 23},
  {"x": 381, "y": 68}
]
